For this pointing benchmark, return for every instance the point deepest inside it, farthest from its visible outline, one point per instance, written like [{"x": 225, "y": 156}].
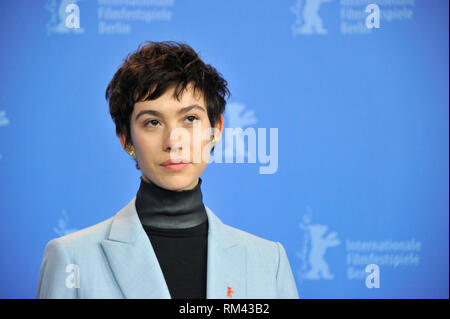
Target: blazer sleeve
[
  {"x": 54, "y": 281},
  {"x": 286, "y": 287}
]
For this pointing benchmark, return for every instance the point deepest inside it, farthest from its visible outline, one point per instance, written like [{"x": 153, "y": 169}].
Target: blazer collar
[{"x": 137, "y": 270}]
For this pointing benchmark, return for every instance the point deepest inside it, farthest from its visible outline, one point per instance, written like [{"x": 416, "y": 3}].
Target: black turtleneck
[{"x": 177, "y": 226}]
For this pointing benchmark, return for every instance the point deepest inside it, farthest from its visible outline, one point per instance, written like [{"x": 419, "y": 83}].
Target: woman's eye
[
  {"x": 152, "y": 122},
  {"x": 192, "y": 118}
]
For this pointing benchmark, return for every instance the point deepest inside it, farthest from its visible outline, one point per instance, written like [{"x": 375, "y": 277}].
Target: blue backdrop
[{"x": 362, "y": 118}]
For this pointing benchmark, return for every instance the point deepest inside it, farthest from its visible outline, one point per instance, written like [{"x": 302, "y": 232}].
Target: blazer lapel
[
  {"x": 227, "y": 262},
  {"x": 132, "y": 258},
  {"x": 138, "y": 273}
]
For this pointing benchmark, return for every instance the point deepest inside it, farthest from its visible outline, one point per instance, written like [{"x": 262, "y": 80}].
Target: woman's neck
[{"x": 162, "y": 208}]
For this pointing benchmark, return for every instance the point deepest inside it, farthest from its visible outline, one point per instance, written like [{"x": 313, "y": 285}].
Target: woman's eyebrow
[{"x": 180, "y": 111}]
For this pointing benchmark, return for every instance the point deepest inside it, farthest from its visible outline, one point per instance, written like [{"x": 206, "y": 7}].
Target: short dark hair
[{"x": 154, "y": 67}]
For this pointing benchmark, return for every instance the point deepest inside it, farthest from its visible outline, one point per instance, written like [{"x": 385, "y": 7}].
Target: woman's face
[{"x": 153, "y": 122}]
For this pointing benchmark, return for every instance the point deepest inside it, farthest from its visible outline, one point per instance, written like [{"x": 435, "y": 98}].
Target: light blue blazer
[{"x": 115, "y": 259}]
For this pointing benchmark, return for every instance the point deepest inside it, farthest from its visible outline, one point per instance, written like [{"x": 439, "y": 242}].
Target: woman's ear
[
  {"x": 122, "y": 139},
  {"x": 219, "y": 128}
]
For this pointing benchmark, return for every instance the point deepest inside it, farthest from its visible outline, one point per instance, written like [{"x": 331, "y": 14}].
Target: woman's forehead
[{"x": 167, "y": 102}]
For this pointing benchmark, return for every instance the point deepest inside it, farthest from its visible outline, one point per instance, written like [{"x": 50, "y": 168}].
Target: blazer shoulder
[
  {"x": 79, "y": 248},
  {"x": 252, "y": 241},
  {"x": 85, "y": 237}
]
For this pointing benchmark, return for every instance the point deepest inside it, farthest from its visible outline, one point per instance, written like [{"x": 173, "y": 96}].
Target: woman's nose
[{"x": 175, "y": 139}]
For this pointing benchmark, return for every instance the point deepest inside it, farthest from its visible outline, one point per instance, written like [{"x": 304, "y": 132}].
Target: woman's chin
[{"x": 177, "y": 182}]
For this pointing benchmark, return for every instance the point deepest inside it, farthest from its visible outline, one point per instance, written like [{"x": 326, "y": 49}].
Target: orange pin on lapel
[{"x": 229, "y": 292}]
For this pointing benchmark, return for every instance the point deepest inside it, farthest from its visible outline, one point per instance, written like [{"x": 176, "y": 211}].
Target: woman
[{"x": 165, "y": 243}]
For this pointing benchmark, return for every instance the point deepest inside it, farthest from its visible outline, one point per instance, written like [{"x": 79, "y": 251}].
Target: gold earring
[
  {"x": 213, "y": 140},
  {"x": 131, "y": 152}
]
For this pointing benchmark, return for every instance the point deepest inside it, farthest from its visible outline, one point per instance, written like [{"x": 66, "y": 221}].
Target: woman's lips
[{"x": 176, "y": 167}]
